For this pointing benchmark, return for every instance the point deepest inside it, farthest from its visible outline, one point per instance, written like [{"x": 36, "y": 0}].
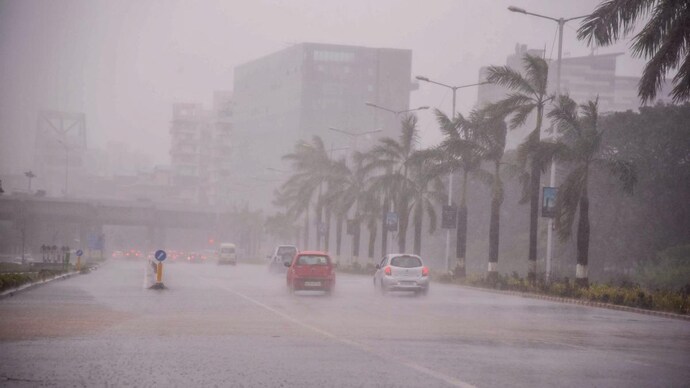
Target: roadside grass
[
  {"x": 14, "y": 280},
  {"x": 626, "y": 294}
]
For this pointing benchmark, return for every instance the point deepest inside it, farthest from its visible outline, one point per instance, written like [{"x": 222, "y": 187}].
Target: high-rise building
[
  {"x": 304, "y": 90},
  {"x": 200, "y": 151}
]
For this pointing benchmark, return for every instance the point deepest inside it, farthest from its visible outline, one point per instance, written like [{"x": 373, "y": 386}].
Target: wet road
[{"x": 237, "y": 326}]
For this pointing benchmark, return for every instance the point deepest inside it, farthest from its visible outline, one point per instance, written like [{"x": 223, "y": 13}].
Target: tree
[
  {"x": 529, "y": 94},
  {"x": 461, "y": 153},
  {"x": 426, "y": 190},
  {"x": 491, "y": 136},
  {"x": 351, "y": 193},
  {"x": 663, "y": 40},
  {"x": 311, "y": 164},
  {"x": 580, "y": 144},
  {"x": 389, "y": 157}
]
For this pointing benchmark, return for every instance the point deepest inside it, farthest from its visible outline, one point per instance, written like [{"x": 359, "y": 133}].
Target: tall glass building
[{"x": 302, "y": 91}]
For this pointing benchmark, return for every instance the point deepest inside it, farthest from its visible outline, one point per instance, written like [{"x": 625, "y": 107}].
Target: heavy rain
[{"x": 314, "y": 193}]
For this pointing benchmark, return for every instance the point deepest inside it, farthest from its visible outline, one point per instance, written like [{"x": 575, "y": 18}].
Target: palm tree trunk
[
  {"x": 355, "y": 242},
  {"x": 494, "y": 226},
  {"x": 461, "y": 243},
  {"x": 418, "y": 220},
  {"x": 327, "y": 236},
  {"x": 384, "y": 227},
  {"x": 581, "y": 277},
  {"x": 319, "y": 214},
  {"x": 535, "y": 177},
  {"x": 306, "y": 228},
  {"x": 338, "y": 234},
  {"x": 403, "y": 219},
  {"x": 372, "y": 239}
]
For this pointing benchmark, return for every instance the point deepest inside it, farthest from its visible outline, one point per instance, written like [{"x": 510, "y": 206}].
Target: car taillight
[
  {"x": 387, "y": 271},
  {"x": 425, "y": 271}
]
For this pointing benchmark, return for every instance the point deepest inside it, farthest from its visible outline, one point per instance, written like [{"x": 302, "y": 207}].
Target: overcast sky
[{"x": 123, "y": 63}]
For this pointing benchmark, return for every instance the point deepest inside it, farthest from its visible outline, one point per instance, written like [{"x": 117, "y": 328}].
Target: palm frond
[
  {"x": 509, "y": 78},
  {"x": 537, "y": 73},
  {"x": 612, "y": 19}
]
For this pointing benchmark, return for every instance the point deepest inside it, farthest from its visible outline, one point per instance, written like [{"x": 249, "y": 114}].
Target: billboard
[
  {"x": 391, "y": 221},
  {"x": 548, "y": 203}
]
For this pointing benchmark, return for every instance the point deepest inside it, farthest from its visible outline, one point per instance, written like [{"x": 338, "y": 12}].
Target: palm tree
[
  {"x": 462, "y": 153},
  {"x": 351, "y": 194},
  {"x": 390, "y": 157},
  {"x": 529, "y": 94},
  {"x": 491, "y": 135},
  {"x": 581, "y": 145},
  {"x": 663, "y": 40},
  {"x": 426, "y": 190},
  {"x": 311, "y": 164}
]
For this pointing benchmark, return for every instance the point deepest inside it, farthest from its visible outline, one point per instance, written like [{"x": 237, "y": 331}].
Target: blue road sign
[
  {"x": 160, "y": 255},
  {"x": 80, "y": 252}
]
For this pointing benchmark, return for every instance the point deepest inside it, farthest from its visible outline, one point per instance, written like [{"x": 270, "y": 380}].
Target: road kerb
[{"x": 24, "y": 287}]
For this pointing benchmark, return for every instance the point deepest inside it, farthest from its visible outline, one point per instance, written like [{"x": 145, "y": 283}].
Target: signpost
[
  {"x": 79, "y": 254},
  {"x": 160, "y": 256},
  {"x": 392, "y": 221},
  {"x": 548, "y": 205}
]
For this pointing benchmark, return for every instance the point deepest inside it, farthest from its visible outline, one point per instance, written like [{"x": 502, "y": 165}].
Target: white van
[{"x": 227, "y": 254}]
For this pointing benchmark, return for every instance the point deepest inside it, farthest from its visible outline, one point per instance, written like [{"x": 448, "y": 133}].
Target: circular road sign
[
  {"x": 160, "y": 255},
  {"x": 79, "y": 252}
]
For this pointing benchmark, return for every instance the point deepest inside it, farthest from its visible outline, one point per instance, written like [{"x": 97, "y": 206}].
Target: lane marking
[{"x": 429, "y": 372}]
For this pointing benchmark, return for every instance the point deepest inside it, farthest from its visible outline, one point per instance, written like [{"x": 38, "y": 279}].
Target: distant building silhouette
[{"x": 301, "y": 91}]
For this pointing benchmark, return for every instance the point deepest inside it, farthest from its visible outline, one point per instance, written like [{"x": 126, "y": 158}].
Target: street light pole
[
  {"x": 450, "y": 174},
  {"x": 552, "y": 176}
]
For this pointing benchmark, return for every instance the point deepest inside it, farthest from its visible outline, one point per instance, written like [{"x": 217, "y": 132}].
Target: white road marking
[{"x": 429, "y": 372}]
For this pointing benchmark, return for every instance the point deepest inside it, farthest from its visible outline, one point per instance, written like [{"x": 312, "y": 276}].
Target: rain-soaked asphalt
[{"x": 237, "y": 326}]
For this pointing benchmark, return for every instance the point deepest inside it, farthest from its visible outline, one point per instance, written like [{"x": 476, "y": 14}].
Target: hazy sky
[{"x": 123, "y": 63}]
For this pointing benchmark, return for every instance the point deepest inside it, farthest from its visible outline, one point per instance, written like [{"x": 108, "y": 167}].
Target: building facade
[
  {"x": 200, "y": 151},
  {"x": 304, "y": 90}
]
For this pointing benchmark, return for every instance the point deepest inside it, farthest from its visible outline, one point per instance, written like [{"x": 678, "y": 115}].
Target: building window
[{"x": 333, "y": 56}]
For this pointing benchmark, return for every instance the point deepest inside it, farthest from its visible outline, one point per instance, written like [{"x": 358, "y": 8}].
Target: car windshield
[
  {"x": 286, "y": 250},
  {"x": 312, "y": 260},
  {"x": 227, "y": 250},
  {"x": 406, "y": 262}
]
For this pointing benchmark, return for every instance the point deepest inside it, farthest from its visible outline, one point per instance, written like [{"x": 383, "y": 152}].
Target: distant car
[
  {"x": 281, "y": 255},
  {"x": 117, "y": 254},
  {"x": 193, "y": 257},
  {"x": 402, "y": 272},
  {"x": 311, "y": 270},
  {"x": 227, "y": 254}
]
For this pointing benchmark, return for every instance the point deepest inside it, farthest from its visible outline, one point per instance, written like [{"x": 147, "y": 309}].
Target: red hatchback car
[{"x": 311, "y": 270}]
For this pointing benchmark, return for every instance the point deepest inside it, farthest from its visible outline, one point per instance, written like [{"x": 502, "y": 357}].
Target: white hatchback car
[{"x": 402, "y": 272}]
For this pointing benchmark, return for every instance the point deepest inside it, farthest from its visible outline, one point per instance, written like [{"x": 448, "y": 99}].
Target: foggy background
[{"x": 123, "y": 63}]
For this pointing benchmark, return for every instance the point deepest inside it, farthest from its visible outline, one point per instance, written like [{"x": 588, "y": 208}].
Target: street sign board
[
  {"x": 449, "y": 217},
  {"x": 548, "y": 204},
  {"x": 80, "y": 252},
  {"x": 391, "y": 221},
  {"x": 160, "y": 255}
]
